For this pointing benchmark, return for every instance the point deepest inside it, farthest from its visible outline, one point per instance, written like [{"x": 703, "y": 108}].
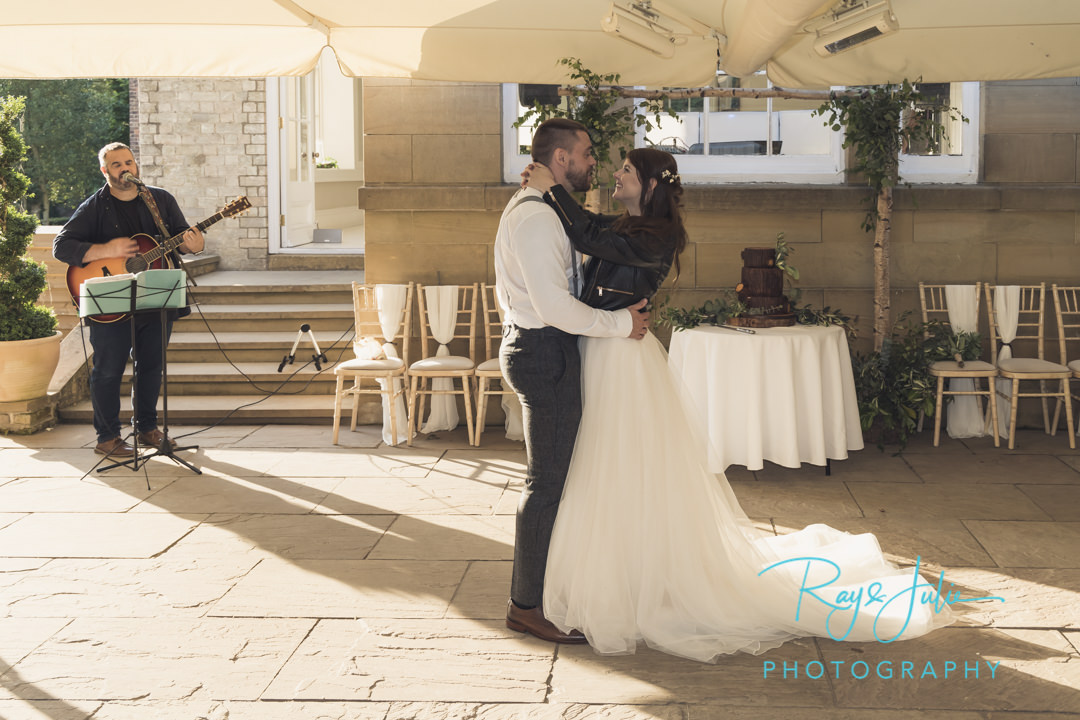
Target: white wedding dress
[{"x": 650, "y": 546}]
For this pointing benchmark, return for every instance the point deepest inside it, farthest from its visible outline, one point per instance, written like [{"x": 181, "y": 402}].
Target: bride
[{"x": 648, "y": 544}]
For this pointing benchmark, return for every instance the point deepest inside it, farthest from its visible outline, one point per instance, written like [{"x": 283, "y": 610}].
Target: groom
[{"x": 538, "y": 277}]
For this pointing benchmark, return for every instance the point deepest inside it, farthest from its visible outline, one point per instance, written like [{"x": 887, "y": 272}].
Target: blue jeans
[
  {"x": 543, "y": 367},
  {"x": 112, "y": 348}
]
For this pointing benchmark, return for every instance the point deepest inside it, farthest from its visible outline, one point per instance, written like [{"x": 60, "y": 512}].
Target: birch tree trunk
[{"x": 882, "y": 292}]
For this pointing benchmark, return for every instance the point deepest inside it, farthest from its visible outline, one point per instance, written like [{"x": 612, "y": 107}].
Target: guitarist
[{"x": 102, "y": 227}]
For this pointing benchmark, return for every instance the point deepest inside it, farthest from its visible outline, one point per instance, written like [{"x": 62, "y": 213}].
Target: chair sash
[
  {"x": 1007, "y": 312},
  {"x": 442, "y": 302},
  {"x": 391, "y": 302},
  {"x": 515, "y": 426},
  {"x": 964, "y": 418}
]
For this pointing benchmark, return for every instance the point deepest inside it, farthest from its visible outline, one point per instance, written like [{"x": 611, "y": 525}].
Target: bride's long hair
[{"x": 661, "y": 206}]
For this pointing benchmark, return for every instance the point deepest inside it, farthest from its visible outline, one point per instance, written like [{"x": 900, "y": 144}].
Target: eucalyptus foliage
[
  {"x": 893, "y": 384},
  {"x": 597, "y": 103},
  {"x": 22, "y": 280}
]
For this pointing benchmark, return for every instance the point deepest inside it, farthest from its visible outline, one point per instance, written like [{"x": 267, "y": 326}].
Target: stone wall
[
  {"x": 430, "y": 220},
  {"x": 205, "y": 141}
]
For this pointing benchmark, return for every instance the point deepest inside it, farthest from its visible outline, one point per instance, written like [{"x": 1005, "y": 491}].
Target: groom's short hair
[{"x": 552, "y": 134}]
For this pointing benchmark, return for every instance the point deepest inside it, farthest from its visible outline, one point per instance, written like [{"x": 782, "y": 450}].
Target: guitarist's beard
[{"x": 116, "y": 183}]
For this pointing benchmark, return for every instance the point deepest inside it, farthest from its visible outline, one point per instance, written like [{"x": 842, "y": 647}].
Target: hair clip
[{"x": 669, "y": 177}]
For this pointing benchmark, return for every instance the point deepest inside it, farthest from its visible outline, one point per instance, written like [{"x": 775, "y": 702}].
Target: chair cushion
[
  {"x": 952, "y": 367},
  {"x": 382, "y": 365},
  {"x": 448, "y": 362},
  {"x": 1030, "y": 365},
  {"x": 491, "y": 365},
  {"x": 1074, "y": 365}
]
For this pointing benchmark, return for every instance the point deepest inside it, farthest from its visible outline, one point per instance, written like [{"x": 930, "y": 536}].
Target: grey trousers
[{"x": 543, "y": 367}]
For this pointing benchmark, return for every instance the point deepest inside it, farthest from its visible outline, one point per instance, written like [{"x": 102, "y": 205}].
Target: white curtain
[
  {"x": 1007, "y": 312},
  {"x": 441, "y": 303},
  {"x": 390, "y": 300},
  {"x": 964, "y": 418}
]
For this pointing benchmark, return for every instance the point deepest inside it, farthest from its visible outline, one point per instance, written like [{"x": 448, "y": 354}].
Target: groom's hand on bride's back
[{"x": 640, "y": 315}]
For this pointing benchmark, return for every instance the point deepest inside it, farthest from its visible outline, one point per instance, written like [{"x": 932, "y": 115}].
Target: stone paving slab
[
  {"x": 288, "y": 537},
  {"x": 395, "y": 462},
  {"x": 447, "y": 537},
  {"x": 401, "y": 496},
  {"x": 19, "y": 462},
  {"x": 1008, "y": 469},
  {"x": 263, "y": 494},
  {"x": 1037, "y": 671},
  {"x": 1029, "y": 544},
  {"x": 243, "y": 710},
  {"x": 310, "y": 436},
  {"x": 1058, "y": 501},
  {"x": 699, "y": 712},
  {"x": 822, "y": 498},
  {"x": 483, "y": 591},
  {"x": 415, "y": 660},
  {"x": 553, "y": 711},
  {"x": 48, "y": 709},
  {"x": 94, "y": 535},
  {"x": 493, "y": 467},
  {"x": 940, "y": 543},
  {"x": 123, "y": 588},
  {"x": 158, "y": 659},
  {"x": 69, "y": 494},
  {"x": 13, "y": 570},
  {"x": 1033, "y": 598},
  {"x": 7, "y": 518},
  {"x": 343, "y": 589},
  {"x": 18, "y": 637},
  {"x": 945, "y": 501},
  {"x": 582, "y": 676},
  {"x": 869, "y": 465}
]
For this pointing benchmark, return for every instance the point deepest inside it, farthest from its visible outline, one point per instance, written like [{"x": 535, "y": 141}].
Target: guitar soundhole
[{"x": 136, "y": 265}]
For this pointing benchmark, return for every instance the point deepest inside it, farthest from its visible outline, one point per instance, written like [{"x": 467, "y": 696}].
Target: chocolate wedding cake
[{"x": 762, "y": 290}]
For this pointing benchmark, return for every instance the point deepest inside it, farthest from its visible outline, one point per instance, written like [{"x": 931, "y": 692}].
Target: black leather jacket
[{"x": 622, "y": 269}]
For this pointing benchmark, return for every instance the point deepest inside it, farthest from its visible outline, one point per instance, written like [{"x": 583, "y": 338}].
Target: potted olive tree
[{"x": 29, "y": 340}]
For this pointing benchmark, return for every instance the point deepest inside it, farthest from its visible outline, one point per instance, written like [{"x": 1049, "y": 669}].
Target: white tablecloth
[{"x": 786, "y": 395}]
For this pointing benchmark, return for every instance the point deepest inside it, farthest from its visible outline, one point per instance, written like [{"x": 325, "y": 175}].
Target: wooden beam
[{"x": 629, "y": 92}]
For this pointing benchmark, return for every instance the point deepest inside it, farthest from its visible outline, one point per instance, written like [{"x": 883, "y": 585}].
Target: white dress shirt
[{"x": 534, "y": 271}]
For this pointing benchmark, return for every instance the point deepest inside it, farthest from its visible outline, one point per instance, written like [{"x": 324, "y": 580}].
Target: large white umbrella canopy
[{"x": 519, "y": 41}]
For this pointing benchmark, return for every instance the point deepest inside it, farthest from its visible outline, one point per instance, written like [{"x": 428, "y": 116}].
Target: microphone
[{"x": 128, "y": 177}]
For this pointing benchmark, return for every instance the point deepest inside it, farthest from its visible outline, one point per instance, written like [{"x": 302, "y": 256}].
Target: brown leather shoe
[
  {"x": 153, "y": 438},
  {"x": 534, "y": 623},
  {"x": 116, "y": 448}
]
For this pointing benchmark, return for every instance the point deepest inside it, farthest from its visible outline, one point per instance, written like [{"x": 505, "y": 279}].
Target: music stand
[{"x": 144, "y": 296}]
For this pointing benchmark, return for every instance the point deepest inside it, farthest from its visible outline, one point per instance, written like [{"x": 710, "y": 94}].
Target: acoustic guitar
[{"x": 152, "y": 256}]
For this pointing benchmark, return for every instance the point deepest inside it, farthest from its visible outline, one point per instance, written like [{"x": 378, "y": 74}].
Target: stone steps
[{"x": 252, "y": 319}]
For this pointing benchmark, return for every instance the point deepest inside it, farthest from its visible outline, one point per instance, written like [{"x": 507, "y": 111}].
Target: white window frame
[
  {"x": 952, "y": 169},
  {"x": 701, "y": 169},
  {"x": 808, "y": 169}
]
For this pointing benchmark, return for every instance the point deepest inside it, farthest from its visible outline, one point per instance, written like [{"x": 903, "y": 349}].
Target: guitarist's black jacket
[{"x": 98, "y": 220}]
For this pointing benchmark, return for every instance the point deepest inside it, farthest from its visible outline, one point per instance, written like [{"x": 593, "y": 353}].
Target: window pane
[
  {"x": 743, "y": 126},
  {"x": 947, "y": 132}
]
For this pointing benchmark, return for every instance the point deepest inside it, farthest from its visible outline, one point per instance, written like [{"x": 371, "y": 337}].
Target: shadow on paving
[{"x": 431, "y": 624}]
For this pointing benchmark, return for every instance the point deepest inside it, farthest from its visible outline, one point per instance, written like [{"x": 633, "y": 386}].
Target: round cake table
[{"x": 786, "y": 395}]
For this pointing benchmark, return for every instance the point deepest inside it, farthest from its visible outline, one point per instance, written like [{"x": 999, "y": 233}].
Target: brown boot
[
  {"x": 153, "y": 438},
  {"x": 116, "y": 448},
  {"x": 534, "y": 623}
]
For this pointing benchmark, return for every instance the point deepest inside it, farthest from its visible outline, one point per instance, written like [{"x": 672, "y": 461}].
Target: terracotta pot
[{"x": 27, "y": 366}]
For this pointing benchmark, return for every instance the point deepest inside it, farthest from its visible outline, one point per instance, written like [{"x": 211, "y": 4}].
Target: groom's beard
[{"x": 580, "y": 180}]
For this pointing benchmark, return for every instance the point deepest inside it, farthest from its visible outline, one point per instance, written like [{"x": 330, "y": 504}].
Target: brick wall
[{"x": 205, "y": 141}]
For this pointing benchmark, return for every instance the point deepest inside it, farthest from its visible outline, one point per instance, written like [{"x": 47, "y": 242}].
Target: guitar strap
[{"x": 148, "y": 198}]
